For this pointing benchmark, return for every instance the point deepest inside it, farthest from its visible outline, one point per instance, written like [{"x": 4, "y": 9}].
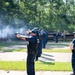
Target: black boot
[{"x": 36, "y": 59}]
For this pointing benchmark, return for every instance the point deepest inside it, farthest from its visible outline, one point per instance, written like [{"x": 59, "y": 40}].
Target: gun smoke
[{"x": 9, "y": 32}]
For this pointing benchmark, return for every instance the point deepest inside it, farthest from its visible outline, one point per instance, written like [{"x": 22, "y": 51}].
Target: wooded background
[{"x": 51, "y": 15}]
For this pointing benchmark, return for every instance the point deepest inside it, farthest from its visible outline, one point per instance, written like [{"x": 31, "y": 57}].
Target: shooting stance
[
  {"x": 31, "y": 50},
  {"x": 72, "y": 47}
]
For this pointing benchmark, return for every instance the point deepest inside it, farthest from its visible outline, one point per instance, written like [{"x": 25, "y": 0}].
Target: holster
[{"x": 31, "y": 50}]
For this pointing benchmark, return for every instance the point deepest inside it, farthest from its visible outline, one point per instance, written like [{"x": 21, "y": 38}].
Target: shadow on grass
[
  {"x": 49, "y": 63},
  {"x": 13, "y": 50},
  {"x": 46, "y": 58},
  {"x": 15, "y": 46},
  {"x": 47, "y": 55}
]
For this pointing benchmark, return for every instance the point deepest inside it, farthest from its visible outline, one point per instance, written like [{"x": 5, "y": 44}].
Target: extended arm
[{"x": 21, "y": 37}]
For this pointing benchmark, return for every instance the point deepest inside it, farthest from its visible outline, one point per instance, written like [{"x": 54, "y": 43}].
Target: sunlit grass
[
  {"x": 6, "y": 47},
  {"x": 57, "y": 50},
  {"x": 5, "y": 43},
  {"x": 54, "y": 66},
  {"x": 14, "y": 50},
  {"x": 43, "y": 50},
  {"x": 43, "y": 66},
  {"x": 12, "y": 65}
]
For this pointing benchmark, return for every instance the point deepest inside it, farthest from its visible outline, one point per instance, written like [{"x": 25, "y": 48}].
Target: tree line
[{"x": 52, "y": 15}]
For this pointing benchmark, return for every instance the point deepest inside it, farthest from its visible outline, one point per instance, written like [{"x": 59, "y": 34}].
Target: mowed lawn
[
  {"x": 44, "y": 66},
  {"x": 6, "y": 47}
]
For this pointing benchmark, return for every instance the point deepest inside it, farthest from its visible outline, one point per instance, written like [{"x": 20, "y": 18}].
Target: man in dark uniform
[
  {"x": 45, "y": 38},
  {"x": 32, "y": 50},
  {"x": 39, "y": 50},
  {"x": 40, "y": 46},
  {"x": 72, "y": 47},
  {"x": 57, "y": 34}
]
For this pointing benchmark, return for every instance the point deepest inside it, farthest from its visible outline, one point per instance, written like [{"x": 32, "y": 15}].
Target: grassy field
[
  {"x": 3, "y": 44},
  {"x": 43, "y": 66},
  {"x": 44, "y": 50},
  {"x": 6, "y": 47}
]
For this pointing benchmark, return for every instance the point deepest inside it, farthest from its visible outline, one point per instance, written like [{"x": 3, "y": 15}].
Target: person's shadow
[{"x": 46, "y": 58}]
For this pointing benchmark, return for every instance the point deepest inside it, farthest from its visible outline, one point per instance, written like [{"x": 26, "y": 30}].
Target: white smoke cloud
[{"x": 7, "y": 31}]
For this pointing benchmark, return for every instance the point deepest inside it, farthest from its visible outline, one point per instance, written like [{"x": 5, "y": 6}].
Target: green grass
[
  {"x": 58, "y": 44},
  {"x": 4, "y": 47},
  {"x": 3, "y": 44},
  {"x": 43, "y": 66},
  {"x": 14, "y": 50},
  {"x": 12, "y": 65},
  {"x": 54, "y": 66},
  {"x": 44, "y": 50},
  {"x": 6, "y": 44},
  {"x": 57, "y": 50}
]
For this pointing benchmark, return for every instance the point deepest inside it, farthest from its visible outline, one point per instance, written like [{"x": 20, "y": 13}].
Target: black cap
[{"x": 35, "y": 30}]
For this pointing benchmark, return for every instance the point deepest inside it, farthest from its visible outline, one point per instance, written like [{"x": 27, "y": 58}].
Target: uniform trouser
[
  {"x": 39, "y": 51},
  {"x": 56, "y": 39},
  {"x": 73, "y": 61},
  {"x": 38, "y": 55},
  {"x": 30, "y": 64},
  {"x": 44, "y": 41}
]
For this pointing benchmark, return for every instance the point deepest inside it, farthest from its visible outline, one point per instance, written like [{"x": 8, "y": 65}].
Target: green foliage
[{"x": 51, "y": 15}]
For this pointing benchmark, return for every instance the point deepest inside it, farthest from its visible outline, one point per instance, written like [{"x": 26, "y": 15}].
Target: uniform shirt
[
  {"x": 31, "y": 39},
  {"x": 32, "y": 46}
]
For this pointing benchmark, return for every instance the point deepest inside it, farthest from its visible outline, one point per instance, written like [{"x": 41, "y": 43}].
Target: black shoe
[
  {"x": 44, "y": 47},
  {"x": 36, "y": 59}
]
